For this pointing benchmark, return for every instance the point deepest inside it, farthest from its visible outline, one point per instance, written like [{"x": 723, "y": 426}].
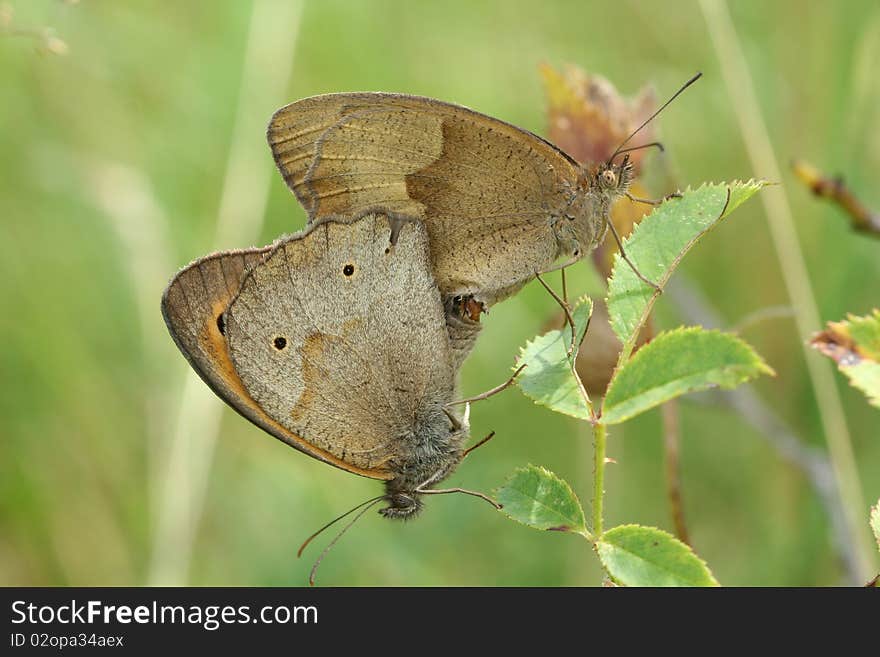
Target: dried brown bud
[{"x": 588, "y": 118}]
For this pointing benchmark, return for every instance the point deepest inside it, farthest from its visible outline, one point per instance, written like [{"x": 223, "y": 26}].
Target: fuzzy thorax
[{"x": 433, "y": 454}]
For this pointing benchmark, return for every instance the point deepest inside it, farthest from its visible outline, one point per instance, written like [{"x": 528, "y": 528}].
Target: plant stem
[
  {"x": 599, "y": 439},
  {"x": 182, "y": 482},
  {"x": 671, "y": 440}
]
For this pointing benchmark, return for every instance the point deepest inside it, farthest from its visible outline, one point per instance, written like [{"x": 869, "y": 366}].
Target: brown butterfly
[
  {"x": 301, "y": 340},
  {"x": 500, "y": 204}
]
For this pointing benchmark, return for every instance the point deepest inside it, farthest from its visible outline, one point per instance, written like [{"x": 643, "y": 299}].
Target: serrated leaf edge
[
  {"x": 572, "y": 360},
  {"x": 762, "y": 365},
  {"x": 755, "y": 185},
  {"x": 583, "y": 531},
  {"x": 696, "y": 556},
  {"x": 539, "y": 402}
]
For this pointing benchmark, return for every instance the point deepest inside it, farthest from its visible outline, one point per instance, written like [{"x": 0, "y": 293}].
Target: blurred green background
[{"x": 142, "y": 147}]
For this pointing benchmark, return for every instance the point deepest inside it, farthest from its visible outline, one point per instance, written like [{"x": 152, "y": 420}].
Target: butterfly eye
[
  {"x": 609, "y": 178},
  {"x": 280, "y": 343},
  {"x": 221, "y": 324},
  {"x": 348, "y": 270}
]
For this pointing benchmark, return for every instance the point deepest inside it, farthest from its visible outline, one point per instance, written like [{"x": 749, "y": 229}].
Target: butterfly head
[
  {"x": 402, "y": 505},
  {"x": 614, "y": 179}
]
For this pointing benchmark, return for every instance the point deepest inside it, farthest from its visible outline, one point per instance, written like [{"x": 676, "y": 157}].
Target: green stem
[{"x": 599, "y": 439}]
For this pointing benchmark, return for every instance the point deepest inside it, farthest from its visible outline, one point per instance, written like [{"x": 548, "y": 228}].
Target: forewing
[
  {"x": 483, "y": 186},
  {"x": 345, "y": 153}
]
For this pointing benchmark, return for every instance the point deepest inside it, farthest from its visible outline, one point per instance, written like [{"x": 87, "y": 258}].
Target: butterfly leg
[
  {"x": 625, "y": 257},
  {"x": 423, "y": 490},
  {"x": 649, "y": 201},
  {"x": 445, "y": 491},
  {"x": 479, "y": 444},
  {"x": 489, "y": 393},
  {"x": 565, "y": 308},
  {"x": 564, "y": 286},
  {"x": 454, "y": 421}
]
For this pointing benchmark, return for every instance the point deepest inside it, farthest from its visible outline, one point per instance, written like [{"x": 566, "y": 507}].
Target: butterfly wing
[
  {"x": 193, "y": 306},
  {"x": 340, "y": 337},
  {"x": 487, "y": 190}
]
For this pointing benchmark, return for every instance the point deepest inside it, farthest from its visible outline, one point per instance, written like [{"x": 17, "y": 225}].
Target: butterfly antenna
[
  {"x": 369, "y": 505},
  {"x": 653, "y": 144},
  {"x": 333, "y": 522},
  {"x": 651, "y": 118}
]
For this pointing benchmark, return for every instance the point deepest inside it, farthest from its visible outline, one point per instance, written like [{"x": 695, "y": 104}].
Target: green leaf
[
  {"x": 854, "y": 344},
  {"x": 548, "y": 378},
  {"x": 865, "y": 377},
  {"x": 580, "y": 314},
  {"x": 658, "y": 244},
  {"x": 865, "y": 333},
  {"x": 675, "y": 363},
  {"x": 646, "y": 556},
  {"x": 538, "y": 498},
  {"x": 875, "y": 521}
]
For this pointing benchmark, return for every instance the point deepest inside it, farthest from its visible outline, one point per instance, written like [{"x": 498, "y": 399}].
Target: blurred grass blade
[
  {"x": 676, "y": 363},
  {"x": 548, "y": 378},
  {"x": 538, "y": 498},
  {"x": 646, "y": 556},
  {"x": 742, "y": 92},
  {"x": 658, "y": 244},
  {"x": 854, "y": 344},
  {"x": 268, "y": 60},
  {"x": 875, "y": 521}
]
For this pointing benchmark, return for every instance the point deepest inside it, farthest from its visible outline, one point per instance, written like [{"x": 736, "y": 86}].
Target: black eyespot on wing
[
  {"x": 348, "y": 270},
  {"x": 280, "y": 343},
  {"x": 221, "y": 324}
]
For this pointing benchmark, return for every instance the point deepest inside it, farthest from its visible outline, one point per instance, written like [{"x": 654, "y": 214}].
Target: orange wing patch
[{"x": 196, "y": 326}]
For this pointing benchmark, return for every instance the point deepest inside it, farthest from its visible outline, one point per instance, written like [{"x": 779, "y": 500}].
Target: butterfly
[{"x": 334, "y": 341}]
